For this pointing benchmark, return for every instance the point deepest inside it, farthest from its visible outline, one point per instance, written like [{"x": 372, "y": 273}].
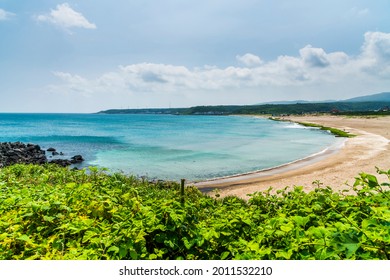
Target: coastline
[{"x": 336, "y": 168}]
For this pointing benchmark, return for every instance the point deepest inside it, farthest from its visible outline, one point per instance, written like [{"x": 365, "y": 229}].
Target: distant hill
[
  {"x": 378, "y": 104},
  {"x": 285, "y": 102},
  {"x": 379, "y": 97}
]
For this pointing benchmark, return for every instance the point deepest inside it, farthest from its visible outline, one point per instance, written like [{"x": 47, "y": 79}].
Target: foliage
[
  {"x": 50, "y": 212},
  {"x": 364, "y": 113},
  {"x": 335, "y": 131},
  {"x": 341, "y": 108}
]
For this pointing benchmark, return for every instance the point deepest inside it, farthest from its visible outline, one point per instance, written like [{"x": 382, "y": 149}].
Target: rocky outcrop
[
  {"x": 60, "y": 161},
  {"x": 66, "y": 162},
  {"x": 76, "y": 159},
  {"x": 18, "y": 152}
]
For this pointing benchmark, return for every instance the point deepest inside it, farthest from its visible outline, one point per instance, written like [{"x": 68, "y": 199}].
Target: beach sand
[{"x": 337, "y": 168}]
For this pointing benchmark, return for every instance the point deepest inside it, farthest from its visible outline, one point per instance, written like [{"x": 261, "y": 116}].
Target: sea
[{"x": 169, "y": 147}]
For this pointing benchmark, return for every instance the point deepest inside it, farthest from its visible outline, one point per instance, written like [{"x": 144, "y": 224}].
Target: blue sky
[{"x": 86, "y": 56}]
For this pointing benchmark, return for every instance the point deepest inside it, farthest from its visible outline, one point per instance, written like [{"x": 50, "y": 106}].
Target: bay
[{"x": 168, "y": 147}]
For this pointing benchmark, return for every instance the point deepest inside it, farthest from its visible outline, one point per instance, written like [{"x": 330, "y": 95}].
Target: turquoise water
[{"x": 168, "y": 146}]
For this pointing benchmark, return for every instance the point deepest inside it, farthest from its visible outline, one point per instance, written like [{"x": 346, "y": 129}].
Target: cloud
[
  {"x": 65, "y": 17},
  {"x": 356, "y": 12},
  {"x": 375, "y": 56},
  {"x": 4, "y": 15},
  {"x": 249, "y": 60},
  {"x": 312, "y": 71},
  {"x": 74, "y": 83},
  {"x": 314, "y": 57},
  {"x": 377, "y": 46}
]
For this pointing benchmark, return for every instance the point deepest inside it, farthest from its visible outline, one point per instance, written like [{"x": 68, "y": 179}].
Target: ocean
[{"x": 168, "y": 147}]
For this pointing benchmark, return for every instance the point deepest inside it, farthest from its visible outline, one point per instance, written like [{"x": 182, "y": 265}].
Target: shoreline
[
  {"x": 338, "y": 168},
  {"x": 236, "y": 179}
]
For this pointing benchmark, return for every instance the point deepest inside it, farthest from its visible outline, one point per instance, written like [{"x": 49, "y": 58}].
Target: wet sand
[{"x": 337, "y": 167}]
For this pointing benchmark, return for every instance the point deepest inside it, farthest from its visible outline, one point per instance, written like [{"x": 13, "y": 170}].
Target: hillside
[
  {"x": 270, "y": 109},
  {"x": 362, "y": 105},
  {"x": 379, "y": 97}
]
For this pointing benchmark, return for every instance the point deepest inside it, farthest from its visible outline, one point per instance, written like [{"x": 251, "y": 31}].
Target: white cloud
[
  {"x": 375, "y": 56},
  {"x": 314, "y": 57},
  {"x": 311, "y": 72},
  {"x": 75, "y": 83},
  {"x": 64, "y": 16},
  {"x": 4, "y": 15},
  {"x": 249, "y": 60},
  {"x": 377, "y": 46},
  {"x": 357, "y": 12}
]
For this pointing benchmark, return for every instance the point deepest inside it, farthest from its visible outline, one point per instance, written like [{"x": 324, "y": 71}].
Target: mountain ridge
[
  {"x": 377, "y": 97},
  {"x": 372, "y": 104}
]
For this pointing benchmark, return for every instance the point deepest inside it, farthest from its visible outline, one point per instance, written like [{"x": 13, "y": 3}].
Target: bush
[{"x": 50, "y": 212}]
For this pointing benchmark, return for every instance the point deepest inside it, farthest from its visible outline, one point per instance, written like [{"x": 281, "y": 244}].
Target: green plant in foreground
[{"x": 50, "y": 212}]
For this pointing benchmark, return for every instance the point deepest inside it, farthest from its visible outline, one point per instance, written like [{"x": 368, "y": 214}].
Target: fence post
[{"x": 182, "y": 190}]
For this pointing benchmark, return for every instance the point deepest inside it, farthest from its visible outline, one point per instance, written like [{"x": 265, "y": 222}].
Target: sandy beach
[{"x": 336, "y": 168}]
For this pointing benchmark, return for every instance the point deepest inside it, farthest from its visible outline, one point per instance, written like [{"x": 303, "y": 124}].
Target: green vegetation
[
  {"x": 340, "y": 108},
  {"x": 334, "y": 131},
  {"x": 364, "y": 113},
  {"x": 50, "y": 212}
]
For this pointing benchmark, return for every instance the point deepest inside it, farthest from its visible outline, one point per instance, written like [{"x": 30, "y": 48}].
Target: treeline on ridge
[{"x": 340, "y": 108}]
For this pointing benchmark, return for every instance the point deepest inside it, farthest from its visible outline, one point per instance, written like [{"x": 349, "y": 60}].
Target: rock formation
[{"x": 18, "y": 152}]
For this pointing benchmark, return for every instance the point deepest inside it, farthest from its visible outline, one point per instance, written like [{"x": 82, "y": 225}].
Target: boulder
[
  {"x": 76, "y": 159},
  {"x": 61, "y": 162},
  {"x": 17, "y": 152}
]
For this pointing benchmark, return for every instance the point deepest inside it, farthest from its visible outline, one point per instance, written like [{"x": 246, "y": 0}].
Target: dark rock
[
  {"x": 17, "y": 152},
  {"x": 61, "y": 162},
  {"x": 51, "y": 150},
  {"x": 76, "y": 159},
  {"x": 55, "y": 153},
  {"x": 31, "y": 147},
  {"x": 10, "y": 153}
]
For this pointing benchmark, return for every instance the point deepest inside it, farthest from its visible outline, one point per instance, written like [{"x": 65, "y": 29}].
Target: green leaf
[
  {"x": 372, "y": 181},
  {"x": 24, "y": 238},
  {"x": 287, "y": 228},
  {"x": 284, "y": 254},
  {"x": 351, "y": 248},
  {"x": 200, "y": 241},
  {"x": 188, "y": 243},
  {"x": 254, "y": 246},
  {"x": 48, "y": 218},
  {"x": 133, "y": 255},
  {"x": 169, "y": 244},
  {"x": 224, "y": 255},
  {"x": 301, "y": 221},
  {"x": 114, "y": 249},
  {"x": 122, "y": 252},
  {"x": 88, "y": 235}
]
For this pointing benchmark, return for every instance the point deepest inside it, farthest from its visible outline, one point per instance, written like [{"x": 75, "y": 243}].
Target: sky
[{"x": 86, "y": 56}]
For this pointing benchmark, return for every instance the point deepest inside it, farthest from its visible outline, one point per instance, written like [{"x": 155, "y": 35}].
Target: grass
[{"x": 334, "y": 131}]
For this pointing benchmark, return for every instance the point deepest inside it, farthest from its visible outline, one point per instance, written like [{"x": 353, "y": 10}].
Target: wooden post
[{"x": 182, "y": 190}]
